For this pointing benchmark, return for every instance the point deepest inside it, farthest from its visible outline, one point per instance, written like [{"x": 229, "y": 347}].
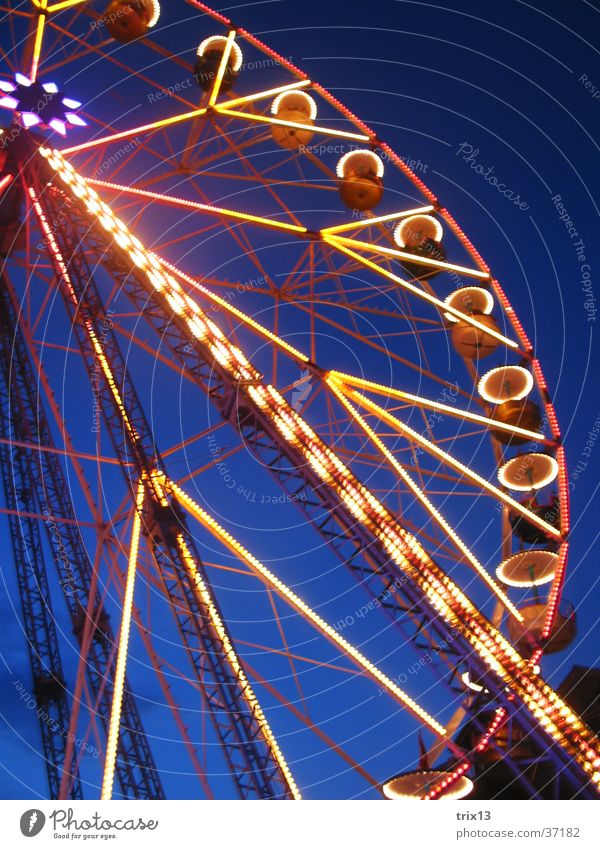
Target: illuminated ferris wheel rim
[
  {"x": 378, "y": 171},
  {"x": 338, "y": 381}
]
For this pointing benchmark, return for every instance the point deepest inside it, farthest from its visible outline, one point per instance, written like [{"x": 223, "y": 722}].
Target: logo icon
[
  {"x": 32, "y": 822},
  {"x": 302, "y": 390}
]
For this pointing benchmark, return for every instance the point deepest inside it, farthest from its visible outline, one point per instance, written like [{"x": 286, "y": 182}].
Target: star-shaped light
[{"x": 40, "y": 104}]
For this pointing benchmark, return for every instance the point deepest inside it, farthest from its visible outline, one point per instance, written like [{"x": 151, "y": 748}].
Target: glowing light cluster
[
  {"x": 218, "y": 44},
  {"x": 473, "y": 298},
  {"x": 40, "y": 104},
  {"x": 405, "y": 551},
  {"x": 425, "y": 226},
  {"x": 505, "y": 383},
  {"x": 309, "y": 104},
  {"x": 410, "y": 785},
  {"x": 153, "y": 7},
  {"x": 528, "y": 471},
  {"x": 359, "y": 159},
  {"x": 454, "y": 785}
]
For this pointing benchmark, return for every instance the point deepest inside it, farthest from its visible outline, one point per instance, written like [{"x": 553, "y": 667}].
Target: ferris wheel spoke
[
  {"x": 433, "y": 512},
  {"x": 428, "y": 404},
  {"x": 405, "y": 284},
  {"x": 209, "y": 209},
  {"x": 119, "y": 676},
  {"x": 418, "y": 260},
  {"x": 433, "y": 449},
  {"x": 265, "y": 119},
  {"x": 371, "y": 219},
  {"x": 291, "y": 598}
]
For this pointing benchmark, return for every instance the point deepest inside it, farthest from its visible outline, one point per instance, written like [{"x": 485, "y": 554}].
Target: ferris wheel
[{"x": 252, "y": 371}]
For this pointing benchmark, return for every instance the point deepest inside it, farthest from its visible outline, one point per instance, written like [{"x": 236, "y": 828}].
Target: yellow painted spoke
[
  {"x": 119, "y": 678},
  {"x": 421, "y": 293},
  {"x": 433, "y": 449},
  {"x": 378, "y": 219},
  {"x": 222, "y": 66},
  {"x": 200, "y": 207},
  {"x": 418, "y": 492},
  {"x": 266, "y": 119},
  {"x": 419, "y": 260},
  {"x": 260, "y": 95},
  {"x": 145, "y": 128},
  {"x": 379, "y": 389}
]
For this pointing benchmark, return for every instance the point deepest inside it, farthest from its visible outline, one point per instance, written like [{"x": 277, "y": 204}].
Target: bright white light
[
  {"x": 427, "y": 224},
  {"x": 218, "y": 42},
  {"x": 75, "y": 120},
  {"x": 29, "y": 119},
  {"x": 8, "y": 102},
  {"x": 505, "y": 383},
  {"x": 70, "y": 103},
  {"x": 469, "y": 298},
  {"x": 528, "y": 471},
  {"x": 294, "y": 96},
  {"x": 59, "y": 126},
  {"x": 51, "y": 88},
  {"x": 376, "y": 163},
  {"x": 154, "y": 9},
  {"x": 23, "y": 80}
]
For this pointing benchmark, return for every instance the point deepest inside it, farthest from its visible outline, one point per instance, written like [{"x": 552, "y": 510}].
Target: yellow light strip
[
  {"x": 200, "y": 207},
  {"x": 222, "y": 66},
  {"x": 419, "y": 260},
  {"x": 66, "y": 4},
  {"x": 259, "y": 95},
  {"x": 451, "y": 461},
  {"x": 379, "y": 219},
  {"x": 37, "y": 44},
  {"x": 235, "y": 664},
  {"x": 112, "y": 738},
  {"x": 290, "y": 596},
  {"x": 418, "y": 492},
  {"x": 259, "y": 328},
  {"x": 421, "y": 293},
  {"x": 388, "y": 392},
  {"x": 268, "y": 119},
  {"x": 165, "y": 122}
]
